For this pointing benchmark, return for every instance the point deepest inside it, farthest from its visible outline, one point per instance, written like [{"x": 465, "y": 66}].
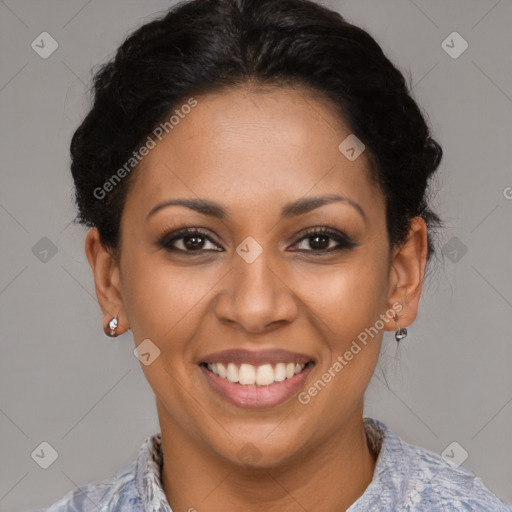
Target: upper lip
[{"x": 256, "y": 358}]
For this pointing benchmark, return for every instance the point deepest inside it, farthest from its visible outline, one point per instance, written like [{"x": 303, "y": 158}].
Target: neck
[{"x": 329, "y": 478}]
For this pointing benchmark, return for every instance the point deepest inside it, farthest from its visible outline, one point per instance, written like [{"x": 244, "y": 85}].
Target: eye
[
  {"x": 320, "y": 240},
  {"x": 187, "y": 240}
]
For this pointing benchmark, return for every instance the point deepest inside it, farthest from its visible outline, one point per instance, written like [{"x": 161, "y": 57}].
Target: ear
[
  {"x": 106, "y": 279},
  {"x": 407, "y": 272}
]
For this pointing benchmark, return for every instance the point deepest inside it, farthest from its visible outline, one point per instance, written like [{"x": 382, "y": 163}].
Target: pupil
[
  {"x": 314, "y": 243},
  {"x": 195, "y": 244}
]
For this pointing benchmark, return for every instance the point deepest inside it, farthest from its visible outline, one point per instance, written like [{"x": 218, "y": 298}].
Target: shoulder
[
  {"x": 410, "y": 478},
  {"x": 127, "y": 491},
  {"x": 434, "y": 483},
  {"x": 118, "y": 493}
]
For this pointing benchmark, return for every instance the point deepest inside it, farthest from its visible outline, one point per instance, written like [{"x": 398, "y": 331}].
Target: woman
[{"x": 255, "y": 177}]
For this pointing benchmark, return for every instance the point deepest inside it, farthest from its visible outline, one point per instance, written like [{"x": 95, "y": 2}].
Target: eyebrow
[{"x": 292, "y": 209}]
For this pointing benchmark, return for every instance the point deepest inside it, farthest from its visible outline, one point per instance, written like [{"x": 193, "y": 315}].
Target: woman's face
[{"x": 254, "y": 290}]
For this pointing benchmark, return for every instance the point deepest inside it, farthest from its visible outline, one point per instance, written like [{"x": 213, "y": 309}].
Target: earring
[
  {"x": 400, "y": 333},
  {"x": 110, "y": 328}
]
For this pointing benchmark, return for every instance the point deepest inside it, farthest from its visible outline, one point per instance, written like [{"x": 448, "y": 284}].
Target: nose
[{"x": 256, "y": 297}]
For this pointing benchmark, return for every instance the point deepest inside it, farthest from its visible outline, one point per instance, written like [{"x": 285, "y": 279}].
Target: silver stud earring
[
  {"x": 110, "y": 328},
  {"x": 400, "y": 333}
]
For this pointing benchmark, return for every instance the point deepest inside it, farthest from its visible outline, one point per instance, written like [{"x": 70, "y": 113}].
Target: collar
[{"x": 148, "y": 475}]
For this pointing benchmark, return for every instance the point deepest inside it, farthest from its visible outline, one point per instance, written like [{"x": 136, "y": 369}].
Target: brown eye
[
  {"x": 322, "y": 239},
  {"x": 188, "y": 240}
]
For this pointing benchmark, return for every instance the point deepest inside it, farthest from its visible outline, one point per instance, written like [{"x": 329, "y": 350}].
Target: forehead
[{"x": 252, "y": 145}]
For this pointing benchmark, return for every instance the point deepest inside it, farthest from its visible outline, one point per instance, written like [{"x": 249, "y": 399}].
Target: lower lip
[{"x": 256, "y": 396}]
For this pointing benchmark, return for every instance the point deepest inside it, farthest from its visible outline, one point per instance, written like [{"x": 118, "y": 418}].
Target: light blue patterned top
[{"x": 407, "y": 478}]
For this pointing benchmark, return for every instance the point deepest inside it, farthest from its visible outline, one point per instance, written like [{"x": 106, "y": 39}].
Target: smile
[
  {"x": 256, "y": 379},
  {"x": 248, "y": 374}
]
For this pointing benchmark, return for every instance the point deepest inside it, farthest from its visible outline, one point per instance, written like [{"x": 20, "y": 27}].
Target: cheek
[
  {"x": 166, "y": 302},
  {"x": 163, "y": 301},
  {"x": 347, "y": 302},
  {"x": 347, "y": 298},
  {"x": 156, "y": 296},
  {"x": 347, "y": 306},
  {"x": 164, "y": 305}
]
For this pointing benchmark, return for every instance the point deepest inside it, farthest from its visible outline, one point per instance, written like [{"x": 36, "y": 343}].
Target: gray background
[{"x": 64, "y": 382}]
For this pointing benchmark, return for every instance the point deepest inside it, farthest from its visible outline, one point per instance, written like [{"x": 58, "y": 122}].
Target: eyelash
[{"x": 344, "y": 242}]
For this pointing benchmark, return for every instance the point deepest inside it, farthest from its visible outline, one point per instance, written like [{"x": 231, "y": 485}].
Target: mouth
[
  {"x": 256, "y": 379},
  {"x": 246, "y": 374}
]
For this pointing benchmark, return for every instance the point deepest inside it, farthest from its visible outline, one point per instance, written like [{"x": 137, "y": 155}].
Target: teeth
[
  {"x": 222, "y": 370},
  {"x": 280, "y": 372},
  {"x": 232, "y": 374},
  {"x": 248, "y": 374},
  {"x": 264, "y": 375}
]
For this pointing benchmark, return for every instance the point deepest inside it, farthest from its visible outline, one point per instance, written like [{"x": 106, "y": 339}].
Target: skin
[{"x": 253, "y": 150}]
